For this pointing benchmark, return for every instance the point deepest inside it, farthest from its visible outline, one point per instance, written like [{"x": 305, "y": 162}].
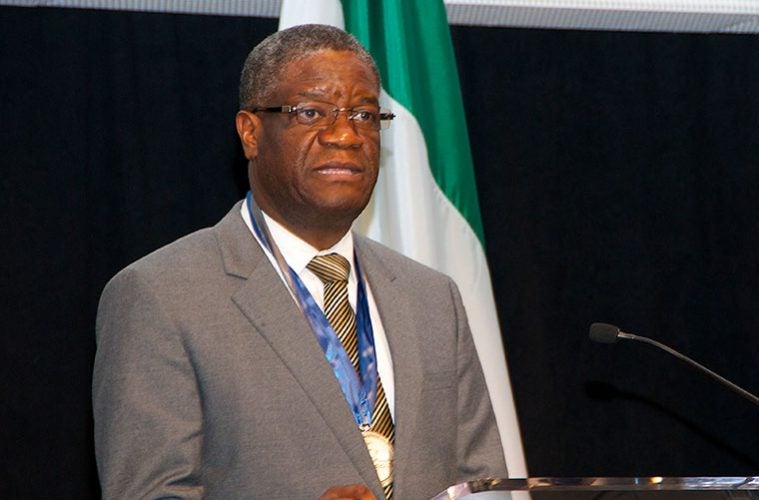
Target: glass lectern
[{"x": 606, "y": 488}]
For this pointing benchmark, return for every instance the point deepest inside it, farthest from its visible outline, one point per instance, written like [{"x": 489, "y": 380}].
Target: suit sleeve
[
  {"x": 147, "y": 408},
  {"x": 478, "y": 442}
]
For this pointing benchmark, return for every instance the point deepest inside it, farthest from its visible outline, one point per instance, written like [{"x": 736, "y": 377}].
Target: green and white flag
[{"x": 425, "y": 202}]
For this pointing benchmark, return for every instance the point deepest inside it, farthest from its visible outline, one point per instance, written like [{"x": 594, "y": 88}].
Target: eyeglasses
[{"x": 325, "y": 115}]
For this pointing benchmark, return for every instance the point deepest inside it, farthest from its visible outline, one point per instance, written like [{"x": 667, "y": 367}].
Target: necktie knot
[{"x": 330, "y": 268}]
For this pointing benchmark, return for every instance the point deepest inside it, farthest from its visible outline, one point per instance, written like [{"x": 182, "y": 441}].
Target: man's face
[{"x": 312, "y": 177}]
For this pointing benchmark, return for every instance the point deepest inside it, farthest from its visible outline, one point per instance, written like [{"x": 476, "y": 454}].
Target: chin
[{"x": 341, "y": 209}]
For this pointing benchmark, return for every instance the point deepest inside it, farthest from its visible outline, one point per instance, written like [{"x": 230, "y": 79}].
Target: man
[{"x": 218, "y": 375}]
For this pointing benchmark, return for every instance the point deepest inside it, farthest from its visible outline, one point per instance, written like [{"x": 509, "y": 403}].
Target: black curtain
[
  {"x": 118, "y": 137},
  {"x": 616, "y": 175}
]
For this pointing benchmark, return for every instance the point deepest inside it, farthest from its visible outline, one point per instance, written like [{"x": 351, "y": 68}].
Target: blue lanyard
[{"x": 360, "y": 390}]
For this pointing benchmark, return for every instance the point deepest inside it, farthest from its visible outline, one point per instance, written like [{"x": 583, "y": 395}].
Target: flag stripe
[{"x": 414, "y": 56}]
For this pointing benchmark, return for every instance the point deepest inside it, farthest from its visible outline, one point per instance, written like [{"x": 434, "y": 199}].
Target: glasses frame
[{"x": 385, "y": 115}]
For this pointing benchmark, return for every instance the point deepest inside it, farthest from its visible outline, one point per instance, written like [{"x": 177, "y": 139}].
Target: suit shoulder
[
  {"x": 398, "y": 263},
  {"x": 183, "y": 257},
  {"x": 181, "y": 253}
]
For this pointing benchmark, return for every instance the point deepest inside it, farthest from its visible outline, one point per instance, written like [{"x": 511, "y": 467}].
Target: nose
[{"x": 342, "y": 133}]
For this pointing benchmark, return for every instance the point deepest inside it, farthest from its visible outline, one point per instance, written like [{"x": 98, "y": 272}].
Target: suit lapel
[
  {"x": 267, "y": 304},
  {"x": 396, "y": 314}
]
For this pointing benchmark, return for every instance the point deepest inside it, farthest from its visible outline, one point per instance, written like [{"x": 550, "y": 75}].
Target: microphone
[{"x": 609, "y": 334}]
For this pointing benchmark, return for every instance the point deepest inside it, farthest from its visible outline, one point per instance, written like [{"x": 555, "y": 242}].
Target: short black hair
[{"x": 265, "y": 63}]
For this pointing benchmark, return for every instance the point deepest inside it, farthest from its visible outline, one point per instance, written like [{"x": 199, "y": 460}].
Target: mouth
[{"x": 339, "y": 169}]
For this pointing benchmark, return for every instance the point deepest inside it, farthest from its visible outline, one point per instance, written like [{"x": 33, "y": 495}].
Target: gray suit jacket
[{"x": 209, "y": 383}]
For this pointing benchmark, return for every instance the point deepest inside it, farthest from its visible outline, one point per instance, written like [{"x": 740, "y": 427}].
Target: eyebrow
[{"x": 321, "y": 97}]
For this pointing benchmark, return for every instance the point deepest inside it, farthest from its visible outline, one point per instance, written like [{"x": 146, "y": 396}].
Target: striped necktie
[{"x": 333, "y": 270}]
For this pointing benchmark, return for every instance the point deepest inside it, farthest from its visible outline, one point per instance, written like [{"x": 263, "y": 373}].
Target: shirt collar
[{"x": 298, "y": 253}]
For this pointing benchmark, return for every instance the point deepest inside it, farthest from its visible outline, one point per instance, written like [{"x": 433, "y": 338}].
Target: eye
[
  {"x": 364, "y": 116},
  {"x": 309, "y": 114}
]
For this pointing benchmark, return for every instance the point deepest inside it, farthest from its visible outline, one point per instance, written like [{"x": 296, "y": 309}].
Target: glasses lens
[
  {"x": 314, "y": 114},
  {"x": 368, "y": 119}
]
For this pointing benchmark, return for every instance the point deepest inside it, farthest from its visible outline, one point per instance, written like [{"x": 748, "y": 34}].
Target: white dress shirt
[{"x": 297, "y": 253}]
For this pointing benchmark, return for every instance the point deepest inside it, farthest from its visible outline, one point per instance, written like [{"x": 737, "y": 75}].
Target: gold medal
[{"x": 381, "y": 451}]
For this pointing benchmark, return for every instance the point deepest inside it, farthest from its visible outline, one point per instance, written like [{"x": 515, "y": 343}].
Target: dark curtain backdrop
[{"x": 617, "y": 175}]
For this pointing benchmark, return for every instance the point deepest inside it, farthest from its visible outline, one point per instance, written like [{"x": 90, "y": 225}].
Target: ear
[{"x": 248, "y": 127}]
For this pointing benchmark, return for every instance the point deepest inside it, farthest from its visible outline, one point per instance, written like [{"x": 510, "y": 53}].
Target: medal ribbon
[{"x": 360, "y": 390}]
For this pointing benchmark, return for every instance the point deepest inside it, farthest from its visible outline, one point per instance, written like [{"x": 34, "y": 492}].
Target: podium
[{"x": 605, "y": 488}]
